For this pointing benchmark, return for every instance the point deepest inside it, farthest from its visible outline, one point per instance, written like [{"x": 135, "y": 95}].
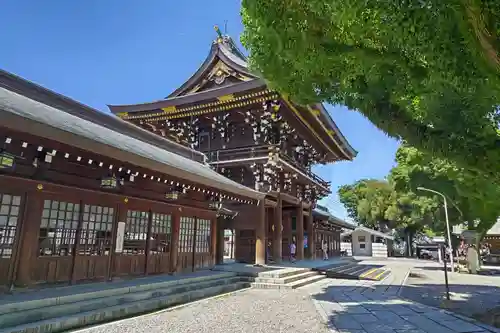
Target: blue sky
[{"x": 118, "y": 52}]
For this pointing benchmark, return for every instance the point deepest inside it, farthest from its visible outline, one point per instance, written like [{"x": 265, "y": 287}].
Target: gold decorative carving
[
  {"x": 226, "y": 98},
  {"x": 297, "y": 113},
  {"x": 122, "y": 114},
  {"x": 331, "y": 133},
  {"x": 39, "y": 187},
  {"x": 316, "y": 112},
  {"x": 169, "y": 109},
  {"x": 243, "y": 100}
]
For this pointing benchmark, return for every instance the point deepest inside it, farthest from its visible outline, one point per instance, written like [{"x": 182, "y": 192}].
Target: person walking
[
  {"x": 293, "y": 250},
  {"x": 324, "y": 247}
]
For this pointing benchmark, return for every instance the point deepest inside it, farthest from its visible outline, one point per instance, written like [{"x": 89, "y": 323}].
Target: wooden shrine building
[
  {"x": 328, "y": 228},
  {"x": 87, "y": 196},
  {"x": 255, "y": 137}
]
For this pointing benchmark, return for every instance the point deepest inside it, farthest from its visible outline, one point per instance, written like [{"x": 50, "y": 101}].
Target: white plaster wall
[{"x": 356, "y": 249}]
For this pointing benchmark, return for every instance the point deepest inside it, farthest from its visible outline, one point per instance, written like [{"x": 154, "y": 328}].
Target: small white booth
[{"x": 367, "y": 242}]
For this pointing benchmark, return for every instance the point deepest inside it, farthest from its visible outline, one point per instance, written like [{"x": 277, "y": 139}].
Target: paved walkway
[
  {"x": 471, "y": 295},
  {"x": 369, "y": 307}
]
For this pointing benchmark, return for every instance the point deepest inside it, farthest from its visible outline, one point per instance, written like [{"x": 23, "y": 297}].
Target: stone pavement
[
  {"x": 471, "y": 295},
  {"x": 370, "y": 307}
]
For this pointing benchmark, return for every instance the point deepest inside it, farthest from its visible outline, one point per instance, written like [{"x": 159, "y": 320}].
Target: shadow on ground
[
  {"x": 483, "y": 271},
  {"x": 479, "y": 302},
  {"x": 378, "y": 309}
]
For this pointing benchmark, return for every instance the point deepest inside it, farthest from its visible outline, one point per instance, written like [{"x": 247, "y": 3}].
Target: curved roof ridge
[{"x": 225, "y": 49}]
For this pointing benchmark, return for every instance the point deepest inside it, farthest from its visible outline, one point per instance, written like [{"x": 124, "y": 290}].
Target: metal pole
[
  {"x": 449, "y": 235},
  {"x": 447, "y": 223},
  {"x": 446, "y": 276}
]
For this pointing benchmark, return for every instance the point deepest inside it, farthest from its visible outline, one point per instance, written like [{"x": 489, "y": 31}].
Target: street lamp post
[{"x": 447, "y": 223}]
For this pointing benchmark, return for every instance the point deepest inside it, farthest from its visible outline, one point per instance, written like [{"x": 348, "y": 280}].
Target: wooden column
[
  {"x": 148, "y": 242},
  {"x": 214, "y": 240},
  {"x": 299, "y": 222},
  {"x": 74, "y": 251},
  {"x": 174, "y": 251},
  {"x": 278, "y": 231},
  {"x": 260, "y": 235},
  {"x": 287, "y": 232},
  {"x": 30, "y": 229},
  {"x": 120, "y": 216},
  {"x": 310, "y": 236},
  {"x": 219, "y": 260}
]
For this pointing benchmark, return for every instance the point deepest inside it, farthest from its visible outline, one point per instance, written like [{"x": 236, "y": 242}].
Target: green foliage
[
  {"x": 365, "y": 201},
  {"x": 375, "y": 204},
  {"x": 471, "y": 195},
  {"x": 424, "y": 71}
]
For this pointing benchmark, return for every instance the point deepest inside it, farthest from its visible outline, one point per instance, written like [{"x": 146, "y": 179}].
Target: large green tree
[
  {"x": 425, "y": 71},
  {"x": 375, "y": 204},
  {"x": 472, "y": 196},
  {"x": 366, "y": 201}
]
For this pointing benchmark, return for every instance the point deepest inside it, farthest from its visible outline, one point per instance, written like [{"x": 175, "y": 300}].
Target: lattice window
[
  {"x": 203, "y": 236},
  {"x": 161, "y": 233},
  {"x": 9, "y": 213},
  {"x": 136, "y": 231},
  {"x": 58, "y": 227},
  {"x": 97, "y": 230},
  {"x": 186, "y": 234}
]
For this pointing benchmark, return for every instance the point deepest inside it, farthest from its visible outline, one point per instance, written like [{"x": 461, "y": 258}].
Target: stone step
[
  {"x": 345, "y": 269},
  {"x": 326, "y": 267},
  {"x": 283, "y": 273},
  {"x": 287, "y": 279},
  {"x": 291, "y": 285},
  {"x": 72, "y": 294},
  {"x": 27, "y": 316},
  {"x": 106, "y": 314}
]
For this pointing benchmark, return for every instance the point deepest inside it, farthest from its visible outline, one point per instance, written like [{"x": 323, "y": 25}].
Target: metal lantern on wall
[
  {"x": 109, "y": 182},
  {"x": 7, "y": 161},
  {"x": 173, "y": 195}
]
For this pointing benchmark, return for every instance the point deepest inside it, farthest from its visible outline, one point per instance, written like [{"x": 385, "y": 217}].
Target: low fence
[
  {"x": 346, "y": 247},
  {"x": 379, "y": 250}
]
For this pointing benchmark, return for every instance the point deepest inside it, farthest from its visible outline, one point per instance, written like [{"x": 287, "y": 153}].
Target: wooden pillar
[
  {"x": 214, "y": 240},
  {"x": 148, "y": 242},
  {"x": 310, "y": 236},
  {"x": 219, "y": 253},
  {"x": 287, "y": 233},
  {"x": 219, "y": 260},
  {"x": 30, "y": 229},
  {"x": 174, "y": 251},
  {"x": 299, "y": 222},
  {"x": 278, "y": 231},
  {"x": 260, "y": 234},
  {"x": 120, "y": 216},
  {"x": 74, "y": 250}
]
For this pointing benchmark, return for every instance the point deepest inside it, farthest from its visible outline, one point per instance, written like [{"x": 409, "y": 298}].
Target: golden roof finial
[{"x": 219, "y": 33}]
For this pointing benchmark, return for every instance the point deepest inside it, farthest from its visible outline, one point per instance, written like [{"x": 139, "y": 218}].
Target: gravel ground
[{"x": 252, "y": 311}]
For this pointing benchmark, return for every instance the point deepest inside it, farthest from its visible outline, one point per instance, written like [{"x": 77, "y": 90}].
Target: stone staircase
[
  {"x": 61, "y": 309},
  {"x": 355, "y": 271},
  {"x": 289, "y": 278}
]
